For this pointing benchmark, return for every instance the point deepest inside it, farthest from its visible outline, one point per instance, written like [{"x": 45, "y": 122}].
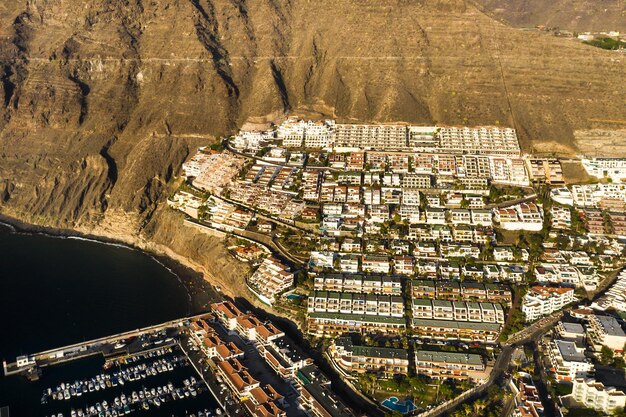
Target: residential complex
[
  {"x": 613, "y": 168},
  {"x": 615, "y": 297},
  {"x": 401, "y": 236},
  {"x": 457, "y": 310},
  {"x": 360, "y": 359},
  {"x": 595, "y": 395},
  {"x": 356, "y": 303},
  {"x": 442, "y": 365},
  {"x": 606, "y": 331},
  {"x": 540, "y": 300},
  {"x": 451, "y": 330},
  {"x": 333, "y": 324},
  {"x": 282, "y": 356},
  {"x": 568, "y": 360},
  {"x": 270, "y": 279}
]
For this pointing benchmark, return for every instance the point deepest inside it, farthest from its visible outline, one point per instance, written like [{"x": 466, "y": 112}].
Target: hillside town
[{"x": 418, "y": 257}]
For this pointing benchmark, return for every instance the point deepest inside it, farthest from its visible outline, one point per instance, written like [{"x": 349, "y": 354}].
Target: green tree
[{"x": 606, "y": 355}]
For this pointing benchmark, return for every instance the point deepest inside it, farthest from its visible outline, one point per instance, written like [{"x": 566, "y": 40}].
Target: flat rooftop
[
  {"x": 574, "y": 328},
  {"x": 447, "y": 357},
  {"x": 611, "y": 326},
  {"x": 569, "y": 352}
]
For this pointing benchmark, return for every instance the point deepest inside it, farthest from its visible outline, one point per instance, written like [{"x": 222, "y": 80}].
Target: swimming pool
[{"x": 393, "y": 404}]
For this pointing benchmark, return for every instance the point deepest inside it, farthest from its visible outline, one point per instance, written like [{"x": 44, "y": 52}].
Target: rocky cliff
[
  {"x": 101, "y": 101},
  {"x": 572, "y": 15}
]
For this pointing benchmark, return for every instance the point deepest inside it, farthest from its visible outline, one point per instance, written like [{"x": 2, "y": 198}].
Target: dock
[{"x": 31, "y": 365}]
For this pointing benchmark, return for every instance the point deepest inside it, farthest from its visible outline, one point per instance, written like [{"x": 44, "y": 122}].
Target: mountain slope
[
  {"x": 103, "y": 100},
  {"x": 573, "y": 15}
]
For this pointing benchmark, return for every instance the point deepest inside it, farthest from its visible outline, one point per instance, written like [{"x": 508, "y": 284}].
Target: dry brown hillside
[
  {"x": 573, "y": 15},
  {"x": 102, "y": 100}
]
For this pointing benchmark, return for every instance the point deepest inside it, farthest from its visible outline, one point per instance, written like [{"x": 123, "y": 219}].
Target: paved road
[
  {"x": 537, "y": 328},
  {"x": 259, "y": 238}
]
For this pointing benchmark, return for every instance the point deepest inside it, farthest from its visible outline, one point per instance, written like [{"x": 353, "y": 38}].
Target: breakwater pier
[{"x": 113, "y": 346}]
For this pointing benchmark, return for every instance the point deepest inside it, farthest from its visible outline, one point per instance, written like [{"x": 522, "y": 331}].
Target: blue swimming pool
[{"x": 393, "y": 404}]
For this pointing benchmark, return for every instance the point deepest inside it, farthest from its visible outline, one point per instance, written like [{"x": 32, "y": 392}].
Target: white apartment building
[
  {"x": 251, "y": 140},
  {"x": 595, "y": 395},
  {"x": 422, "y": 137},
  {"x": 606, "y": 331},
  {"x": 457, "y": 310},
  {"x": 355, "y": 303},
  {"x": 615, "y": 297},
  {"x": 570, "y": 331},
  {"x": 481, "y": 217},
  {"x": 568, "y": 360},
  {"x": 319, "y": 134},
  {"x": 419, "y": 181},
  {"x": 460, "y": 216},
  {"x": 384, "y": 137},
  {"x": 480, "y": 141},
  {"x": 540, "y": 301},
  {"x": 561, "y": 217},
  {"x": 291, "y": 132},
  {"x": 613, "y": 168},
  {"x": 197, "y": 163},
  {"x": 524, "y": 216},
  {"x": 435, "y": 216},
  {"x": 270, "y": 279}
]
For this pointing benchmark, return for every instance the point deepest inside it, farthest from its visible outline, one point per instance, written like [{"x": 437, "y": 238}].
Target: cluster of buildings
[
  {"x": 309, "y": 134},
  {"x": 523, "y": 216},
  {"x": 186, "y": 202},
  {"x": 541, "y": 301},
  {"x": 358, "y": 283},
  {"x": 545, "y": 171},
  {"x": 284, "y": 357},
  {"x": 329, "y": 134},
  {"x": 568, "y": 349},
  {"x": 356, "y": 303},
  {"x": 260, "y": 400},
  {"x": 276, "y": 203},
  {"x": 462, "y": 291},
  {"x": 566, "y": 274},
  {"x": 427, "y": 261},
  {"x": 613, "y": 168},
  {"x": 225, "y": 216},
  {"x": 527, "y": 400},
  {"x": 270, "y": 279},
  {"x": 388, "y": 362},
  {"x": 615, "y": 297},
  {"x": 592, "y": 394},
  {"x": 213, "y": 171},
  {"x": 253, "y": 140},
  {"x": 609, "y": 196},
  {"x": 275, "y": 177},
  {"x": 457, "y": 310}
]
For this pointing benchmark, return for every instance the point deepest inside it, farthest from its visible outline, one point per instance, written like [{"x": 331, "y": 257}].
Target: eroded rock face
[
  {"x": 101, "y": 101},
  {"x": 572, "y": 15}
]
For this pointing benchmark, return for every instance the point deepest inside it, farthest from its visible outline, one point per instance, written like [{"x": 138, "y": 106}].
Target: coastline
[
  {"x": 200, "y": 291},
  {"x": 198, "y": 283}
]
